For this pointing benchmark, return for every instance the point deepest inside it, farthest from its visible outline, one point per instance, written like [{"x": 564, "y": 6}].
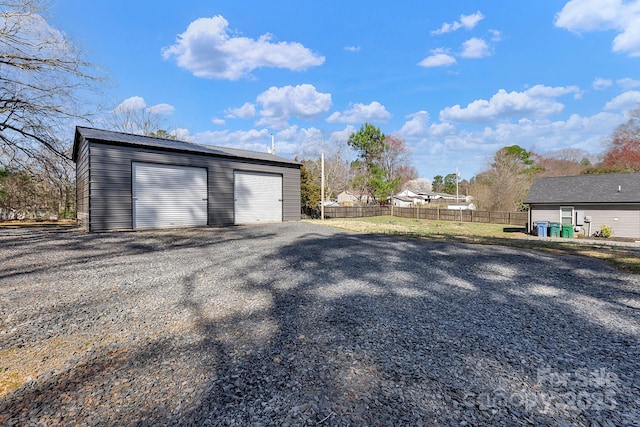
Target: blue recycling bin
[{"x": 542, "y": 228}]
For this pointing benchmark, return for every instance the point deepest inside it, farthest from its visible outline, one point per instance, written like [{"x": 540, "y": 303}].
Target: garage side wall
[
  {"x": 111, "y": 183},
  {"x": 82, "y": 185}
]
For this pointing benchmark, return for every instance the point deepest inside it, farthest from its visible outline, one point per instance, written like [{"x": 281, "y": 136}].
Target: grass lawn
[
  {"x": 392, "y": 225},
  {"x": 623, "y": 258}
]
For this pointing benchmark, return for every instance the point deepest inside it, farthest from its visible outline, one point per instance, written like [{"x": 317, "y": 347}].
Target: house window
[{"x": 566, "y": 215}]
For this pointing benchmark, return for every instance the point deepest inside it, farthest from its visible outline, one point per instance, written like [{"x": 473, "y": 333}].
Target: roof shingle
[{"x": 603, "y": 188}]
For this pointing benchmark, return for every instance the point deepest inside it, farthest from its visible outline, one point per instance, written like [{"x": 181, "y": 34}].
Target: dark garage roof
[
  {"x": 149, "y": 142},
  {"x": 603, "y": 188}
]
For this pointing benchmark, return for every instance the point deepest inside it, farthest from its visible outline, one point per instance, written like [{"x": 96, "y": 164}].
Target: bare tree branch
[{"x": 42, "y": 80}]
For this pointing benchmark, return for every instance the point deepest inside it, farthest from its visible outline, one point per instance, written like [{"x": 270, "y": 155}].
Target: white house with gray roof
[{"x": 587, "y": 202}]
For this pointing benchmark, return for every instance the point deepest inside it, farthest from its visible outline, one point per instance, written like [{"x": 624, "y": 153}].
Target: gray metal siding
[
  {"x": 111, "y": 183},
  {"x": 624, "y": 219},
  {"x": 82, "y": 185},
  {"x": 291, "y": 194}
]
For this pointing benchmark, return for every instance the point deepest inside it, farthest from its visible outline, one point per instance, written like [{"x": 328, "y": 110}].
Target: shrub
[
  {"x": 606, "y": 231},
  {"x": 67, "y": 214}
]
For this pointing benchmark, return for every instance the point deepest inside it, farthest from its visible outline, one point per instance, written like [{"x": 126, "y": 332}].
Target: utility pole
[
  {"x": 322, "y": 185},
  {"x": 457, "y": 179}
]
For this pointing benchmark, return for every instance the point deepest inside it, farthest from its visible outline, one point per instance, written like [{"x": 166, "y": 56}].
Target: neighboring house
[
  {"x": 423, "y": 196},
  {"x": 126, "y": 181},
  {"x": 587, "y": 202},
  {"x": 403, "y": 202},
  {"x": 349, "y": 198},
  {"x": 462, "y": 206}
]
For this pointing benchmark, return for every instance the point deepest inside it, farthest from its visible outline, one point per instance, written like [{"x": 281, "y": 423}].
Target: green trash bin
[
  {"x": 567, "y": 230},
  {"x": 554, "y": 229}
]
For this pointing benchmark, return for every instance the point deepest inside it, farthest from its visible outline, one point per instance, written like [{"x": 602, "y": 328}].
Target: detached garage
[{"x": 126, "y": 181}]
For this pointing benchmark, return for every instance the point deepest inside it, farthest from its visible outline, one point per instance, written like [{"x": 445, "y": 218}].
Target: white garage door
[
  {"x": 169, "y": 196},
  {"x": 258, "y": 197}
]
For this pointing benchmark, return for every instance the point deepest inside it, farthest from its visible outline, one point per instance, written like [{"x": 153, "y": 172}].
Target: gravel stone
[{"x": 298, "y": 324}]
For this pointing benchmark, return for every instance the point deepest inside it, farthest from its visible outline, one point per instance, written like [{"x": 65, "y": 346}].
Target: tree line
[
  {"x": 505, "y": 184},
  {"x": 383, "y": 167},
  {"x": 45, "y": 83}
]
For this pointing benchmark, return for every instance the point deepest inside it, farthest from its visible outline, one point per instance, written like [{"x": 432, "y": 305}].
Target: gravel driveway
[{"x": 298, "y": 324}]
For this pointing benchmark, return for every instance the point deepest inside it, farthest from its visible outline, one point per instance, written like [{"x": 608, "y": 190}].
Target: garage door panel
[
  {"x": 169, "y": 196},
  {"x": 257, "y": 197}
]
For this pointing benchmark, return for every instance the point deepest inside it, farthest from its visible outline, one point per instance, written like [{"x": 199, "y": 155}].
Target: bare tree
[
  {"x": 417, "y": 184},
  {"x": 395, "y": 160},
  {"x": 565, "y": 162},
  {"x": 505, "y": 184},
  {"x": 137, "y": 119},
  {"x": 623, "y": 150},
  {"x": 336, "y": 169},
  {"x": 42, "y": 79}
]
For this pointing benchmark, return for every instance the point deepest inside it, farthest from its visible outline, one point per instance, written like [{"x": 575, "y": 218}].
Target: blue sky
[{"x": 455, "y": 80}]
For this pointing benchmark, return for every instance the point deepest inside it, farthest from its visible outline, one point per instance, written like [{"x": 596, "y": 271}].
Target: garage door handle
[
  {"x": 205, "y": 199},
  {"x": 279, "y": 200}
]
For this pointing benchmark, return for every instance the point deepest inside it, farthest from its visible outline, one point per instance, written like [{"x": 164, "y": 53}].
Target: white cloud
[
  {"x": 136, "y": 103},
  {"x": 217, "y": 121},
  {"x": 439, "y": 145},
  {"x": 358, "y": 113},
  {"x": 438, "y": 58},
  {"x": 302, "y": 101},
  {"x": 290, "y": 141},
  {"x": 162, "y": 109},
  {"x": 133, "y": 103},
  {"x": 537, "y": 101},
  {"x": 496, "y": 35},
  {"x": 475, "y": 48},
  {"x": 247, "y": 111},
  {"x": 466, "y": 21},
  {"x": 602, "y": 15},
  {"x": 182, "y": 134},
  {"x": 624, "y": 102},
  {"x": 418, "y": 125},
  {"x": 600, "y": 83},
  {"x": 209, "y": 49},
  {"x": 470, "y": 21},
  {"x": 352, "y": 48},
  {"x": 628, "y": 83},
  {"x": 343, "y": 135}
]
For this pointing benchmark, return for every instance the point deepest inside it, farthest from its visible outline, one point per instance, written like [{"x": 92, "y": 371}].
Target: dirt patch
[{"x": 28, "y": 223}]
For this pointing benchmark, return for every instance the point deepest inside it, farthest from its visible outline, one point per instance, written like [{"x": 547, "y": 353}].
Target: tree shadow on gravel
[
  {"x": 315, "y": 327},
  {"x": 26, "y": 252},
  {"x": 386, "y": 331}
]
